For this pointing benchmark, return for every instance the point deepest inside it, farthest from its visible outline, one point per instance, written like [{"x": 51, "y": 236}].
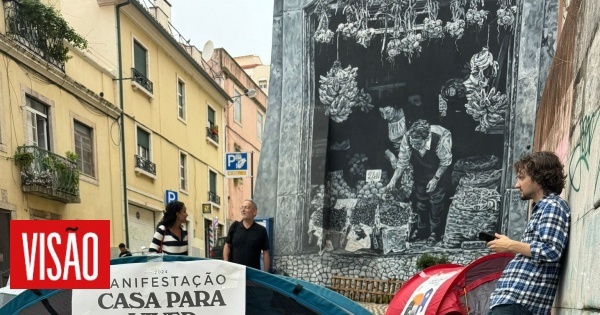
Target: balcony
[
  {"x": 212, "y": 134},
  {"x": 212, "y": 197},
  {"x": 33, "y": 33},
  {"x": 48, "y": 175},
  {"x": 145, "y": 166},
  {"x": 141, "y": 79}
]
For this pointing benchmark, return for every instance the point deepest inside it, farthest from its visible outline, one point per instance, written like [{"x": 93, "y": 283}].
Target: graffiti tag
[{"x": 578, "y": 165}]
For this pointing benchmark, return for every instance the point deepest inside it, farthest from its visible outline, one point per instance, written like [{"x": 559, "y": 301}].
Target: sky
[{"x": 242, "y": 27}]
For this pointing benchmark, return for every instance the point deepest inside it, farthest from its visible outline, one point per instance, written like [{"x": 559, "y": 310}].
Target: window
[
  {"x": 140, "y": 58},
  {"x": 212, "y": 177},
  {"x": 139, "y": 72},
  {"x": 181, "y": 99},
  {"x": 262, "y": 84},
  {"x": 183, "y": 171},
  {"x": 83, "y": 149},
  {"x": 143, "y": 144},
  {"x": 38, "y": 127},
  {"x": 211, "y": 117},
  {"x": 259, "y": 125},
  {"x": 237, "y": 106},
  {"x": 212, "y": 186}
]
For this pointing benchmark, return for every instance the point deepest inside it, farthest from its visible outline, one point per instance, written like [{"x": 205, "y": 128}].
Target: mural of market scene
[{"x": 409, "y": 123}]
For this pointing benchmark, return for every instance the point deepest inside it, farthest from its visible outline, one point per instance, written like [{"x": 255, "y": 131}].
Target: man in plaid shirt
[{"x": 529, "y": 282}]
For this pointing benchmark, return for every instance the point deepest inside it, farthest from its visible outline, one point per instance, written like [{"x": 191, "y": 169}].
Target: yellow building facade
[
  {"x": 170, "y": 104},
  {"x": 50, "y": 109}
]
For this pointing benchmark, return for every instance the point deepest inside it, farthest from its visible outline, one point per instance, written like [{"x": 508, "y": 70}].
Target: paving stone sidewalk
[{"x": 374, "y": 308}]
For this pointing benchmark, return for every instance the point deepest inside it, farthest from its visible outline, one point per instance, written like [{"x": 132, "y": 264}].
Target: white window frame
[
  {"x": 48, "y": 132},
  {"x": 260, "y": 129},
  {"x": 136, "y": 85},
  {"x": 181, "y": 99},
  {"x": 183, "y": 172},
  {"x": 2, "y": 144},
  {"x": 149, "y": 132},
  {"x": 237, "y": 106},
  {"x": 210, "y": 169},
  {"x": 266, "y": 83},
  {"x": 92, "y": 149},
  {"x": 208, "y": 106}
]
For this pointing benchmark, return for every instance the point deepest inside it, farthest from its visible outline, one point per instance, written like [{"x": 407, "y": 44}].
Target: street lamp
[{"x": 250, "y": 93}]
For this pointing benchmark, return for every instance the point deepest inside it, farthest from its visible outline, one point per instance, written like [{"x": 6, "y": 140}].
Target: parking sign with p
[
  {"x": 237, "y": 164},
  {"x": 170, "y": 196}
]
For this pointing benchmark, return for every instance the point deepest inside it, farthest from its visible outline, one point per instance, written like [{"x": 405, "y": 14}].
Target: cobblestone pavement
[{"x": 375, "y": 309}]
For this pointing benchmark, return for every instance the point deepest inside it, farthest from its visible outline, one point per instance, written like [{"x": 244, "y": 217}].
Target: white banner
[
  {"x": 420, "y": 299},
  {"x": 175, "y": 288}
]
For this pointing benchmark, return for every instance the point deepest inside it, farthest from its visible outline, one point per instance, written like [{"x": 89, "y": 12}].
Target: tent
[
  {"x": 286, "y": 295},
  {"x": 450, "y": 289}
]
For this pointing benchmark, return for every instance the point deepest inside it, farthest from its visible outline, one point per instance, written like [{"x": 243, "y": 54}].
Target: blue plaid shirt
[{"x": 532, "y": 281}]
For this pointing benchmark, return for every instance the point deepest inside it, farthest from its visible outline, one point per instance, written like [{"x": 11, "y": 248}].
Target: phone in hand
[{"x": 485, "y": 236}]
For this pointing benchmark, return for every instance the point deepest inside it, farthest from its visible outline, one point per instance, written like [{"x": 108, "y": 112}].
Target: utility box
[{"x": 267, "y": 222}]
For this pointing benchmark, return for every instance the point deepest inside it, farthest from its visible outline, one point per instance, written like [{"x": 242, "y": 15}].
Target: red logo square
[{"x": 60, "y": 254}]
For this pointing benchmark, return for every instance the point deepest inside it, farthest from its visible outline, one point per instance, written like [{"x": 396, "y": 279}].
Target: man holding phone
[{"x": 529, "y": 282}]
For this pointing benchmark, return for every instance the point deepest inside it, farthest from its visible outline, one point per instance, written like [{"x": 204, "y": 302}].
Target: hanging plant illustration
[{"x": 339, "y": 92}]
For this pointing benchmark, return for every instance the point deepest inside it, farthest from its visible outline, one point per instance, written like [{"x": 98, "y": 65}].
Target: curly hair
[
  {"x": 545, "y": 169},
  {"x": 420, "y": 129},
  {"x": 170, "y": 215}
]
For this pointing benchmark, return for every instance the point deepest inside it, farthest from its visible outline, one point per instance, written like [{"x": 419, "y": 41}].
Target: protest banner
[{"x": 175, "y": 288}]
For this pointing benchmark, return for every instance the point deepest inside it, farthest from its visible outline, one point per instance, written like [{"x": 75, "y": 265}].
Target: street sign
[
  {"x": 206, "y": 208},
  {"x": 237, "y": 165},
  {"x": 170, "y": 196}
]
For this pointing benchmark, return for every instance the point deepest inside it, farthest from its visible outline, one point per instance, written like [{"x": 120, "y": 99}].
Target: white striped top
[{"x": 171, "y": 245}]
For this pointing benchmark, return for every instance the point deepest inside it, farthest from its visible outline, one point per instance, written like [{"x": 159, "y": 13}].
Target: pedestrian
[
  {"x": 428, "y": 148},
  {"x": 529, "y": 282},
  {"x": 170, "y": 236},
  {"x": 124, "y": 251},
  {"x": 246, "y": 239}
]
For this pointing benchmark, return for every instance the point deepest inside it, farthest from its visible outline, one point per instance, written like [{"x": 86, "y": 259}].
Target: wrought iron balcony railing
[
  {"x": 212, "y": 135},
  {"x": 145, "y": 165},
  {"x": 48, "y": 175},
  {"x": 28, "y": 32},
  {"x": 141, "y": 79},
  {"x": 212, "y": 197}
]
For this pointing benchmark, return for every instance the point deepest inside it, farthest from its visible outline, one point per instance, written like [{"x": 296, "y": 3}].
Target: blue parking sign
[
  {"x": 237, "y": 164},
  {"x": 170, "y": 196}
]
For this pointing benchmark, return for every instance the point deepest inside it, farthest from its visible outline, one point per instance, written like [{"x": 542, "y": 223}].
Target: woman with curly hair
[
  {"x": 529, "y": 282},
  {"x": 170, "y": 236}
]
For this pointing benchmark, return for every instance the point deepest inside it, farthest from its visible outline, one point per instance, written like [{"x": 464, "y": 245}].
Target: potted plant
[
  {"x": 214, "y": 129},
  {"x": 23, "y": 159}
]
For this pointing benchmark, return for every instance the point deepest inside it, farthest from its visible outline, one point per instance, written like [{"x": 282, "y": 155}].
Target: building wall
[
  {"x": 568, "y": 124},
  {"x": 71, "y": 95},
  {"x": 241, "y": 135},
  {"x": 157, "y": 114},
  {"x": 171, "y": 135},
  {"x": 307, "y": 160},
  {"x": 255, "y": 69}
]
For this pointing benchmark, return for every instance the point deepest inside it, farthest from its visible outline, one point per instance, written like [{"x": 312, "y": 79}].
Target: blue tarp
[{"x": 304, "y": 294}]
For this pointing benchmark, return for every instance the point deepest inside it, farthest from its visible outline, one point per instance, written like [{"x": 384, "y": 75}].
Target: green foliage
[
  {"x": 48, "y": 21},
  {"x": 428, "y": 260},
  {"x": 23, "y": 159}
]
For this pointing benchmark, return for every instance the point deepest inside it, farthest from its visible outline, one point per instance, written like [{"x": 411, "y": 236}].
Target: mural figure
[{"x": 428, "y": 148}]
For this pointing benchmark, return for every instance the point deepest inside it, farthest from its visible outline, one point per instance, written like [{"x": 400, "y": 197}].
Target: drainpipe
[{"x": 122, "y": 118}]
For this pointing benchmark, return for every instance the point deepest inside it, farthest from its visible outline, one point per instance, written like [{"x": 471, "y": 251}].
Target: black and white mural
[
  {"x": 392, "y": 126},
  {"x": 410, "y": 106}
]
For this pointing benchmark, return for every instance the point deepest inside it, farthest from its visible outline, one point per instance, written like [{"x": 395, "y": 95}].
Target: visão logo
[{"x": 60, "y": 254}]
